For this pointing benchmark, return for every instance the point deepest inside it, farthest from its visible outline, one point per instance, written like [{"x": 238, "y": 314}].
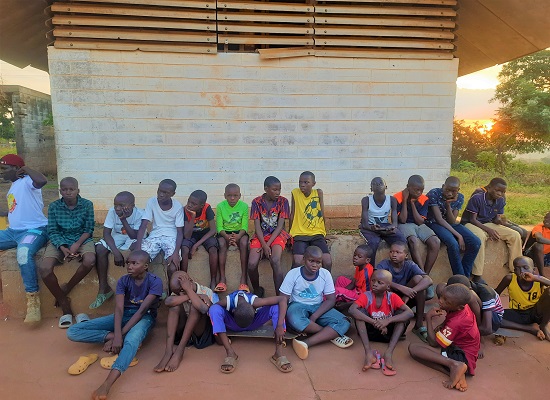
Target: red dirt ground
[{"x": 34, "y": 362}]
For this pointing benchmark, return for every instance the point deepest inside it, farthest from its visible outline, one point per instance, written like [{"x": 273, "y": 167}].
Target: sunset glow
[{"x": 481, "y": 80}]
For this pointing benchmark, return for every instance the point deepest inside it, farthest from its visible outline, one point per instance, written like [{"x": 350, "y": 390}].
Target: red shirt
[
  {"x": 460, "y": 329},
  {"x": 362, "y": 278},
  {"x": 387, "y": 307}
]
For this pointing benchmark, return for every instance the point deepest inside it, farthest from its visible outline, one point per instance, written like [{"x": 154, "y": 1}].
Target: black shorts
[
  {"x": 200, "y": 342},
  {"x": 301, "y": 243},
  {"x": 456, "y": 353},
  {"x": 523, "y": 317},
  {"x": 212, "y": 241},
  {"x": 376, "y": 336}
]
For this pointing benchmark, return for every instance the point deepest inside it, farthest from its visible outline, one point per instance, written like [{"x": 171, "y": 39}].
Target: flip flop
[
  {"x": 422, "y": 333},
  {"x": 244, "y": 287},
  {"x": 377, "y": 364},
  {"x": 386, "y": 370},
  {"x": 82, "y": 364},
  {"x": 65, "y": 321},
  {"x": 100, "y": 299},
  {"x": 300, "y": 348},
  {"x": 231, "y": 362},
  {"x": 280, "y": 362},
  {"x": 220, "y": 287},
  {"x": 107, "y": 362},
  {"x": 81, "y": 318},
  {"x": 342, "y": 341}
]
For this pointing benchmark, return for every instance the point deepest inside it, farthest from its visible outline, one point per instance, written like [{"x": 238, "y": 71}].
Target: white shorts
[{"x": 153, "y": 246}]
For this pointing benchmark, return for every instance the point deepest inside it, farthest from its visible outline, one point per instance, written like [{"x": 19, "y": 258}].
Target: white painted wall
[{"x": 126, "y": 120}]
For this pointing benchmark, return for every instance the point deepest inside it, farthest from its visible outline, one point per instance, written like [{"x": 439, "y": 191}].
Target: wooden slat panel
[
  {"x": 434, "y": 2},
  {"x": 364, "y": 53},
  {"x": 265, "y": 6},
  {"x": 261, "y": 17},
  {"x": 132, "y": 22},
  {"x": 166, "y": 3},
  {"x": 265, "y": 28},
  {"x": 132, "y": 11},
  {"x": 286, "y": 52},
  {"x": 368, "y": 10},
  {"x": 111, "y": 33},
  {"x": 63, "y": 43},
  {"x": 412, "y": 22},
  {"x": 266, "y": 40},
  {"x": 418, "y": 44},
  {"x": 403, "y": 33}
]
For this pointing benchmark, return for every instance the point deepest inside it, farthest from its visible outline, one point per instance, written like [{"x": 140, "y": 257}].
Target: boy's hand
[
  {"x": 405, "y": 195},
  {"x": 66, "y": 253},
  {"x": 117, "y": 345},
  {"x": 74, "y": 249},
  {"x": 125, "y": 212},
  {"x": 408, "y": 292},
  {"x": 434, "y": 312},
  {"x": 191, "y": 212},
  {"x": 452, "y": 199},
  {"x": 493, "y": 234},
  {"x": 21, "y": 172},
  {"x": 461, "y": 243},
  {"x": 266, "y": 249},
  {"x": 174, "y": 259},
  {"x": 193, "y": 249},
  {"x": 528, "y": 276},
  {"x": 186, "y": 283},
  {"x": 381, "y": 324},
  {"x": 279, "y": 335},
  {"x": 118, "y": 258}
]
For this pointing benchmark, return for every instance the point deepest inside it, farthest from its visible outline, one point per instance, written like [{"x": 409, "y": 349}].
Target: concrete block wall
[{"x": 126, "y": 120}]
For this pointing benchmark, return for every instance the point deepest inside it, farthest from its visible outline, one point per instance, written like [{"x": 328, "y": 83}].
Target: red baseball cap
[{"x": 12, "y": 159}]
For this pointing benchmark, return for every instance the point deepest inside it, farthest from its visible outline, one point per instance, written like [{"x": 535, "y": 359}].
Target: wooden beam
[
  {"x": 381, "y": 21},
  {"x": 264, "y": 17},
  {"x": 364, "y": 53},
  {"x": 132, "y": 11},
  {"x": 265, "y": 28},
  {"x": 285, "y": 52},
  {"x": 355, "y": 42},
  {"x": 77, "y": 20},
  {"x": 381, "y": 32},
  {"x": 274, "y": 40},
  {"x": 265, "y": 6},
  {"x": 368, "y": 10},
  {"x": 63, "y": 43},
  {"x": 165, "y": 3},
  {"x": 125, "y": 34}
]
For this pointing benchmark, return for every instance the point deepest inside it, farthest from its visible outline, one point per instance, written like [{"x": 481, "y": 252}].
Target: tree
[
  {"x": 468, "y": 142},
  {"x": 7, "y": 129}
]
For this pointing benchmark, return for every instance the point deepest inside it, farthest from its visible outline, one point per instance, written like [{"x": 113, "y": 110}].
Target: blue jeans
[
  {"x": 95, "y": 331},
  {"x": 298, "y": 315},
  {"x": 459, "y": 265},
  {"x": 28, "y": 242}
]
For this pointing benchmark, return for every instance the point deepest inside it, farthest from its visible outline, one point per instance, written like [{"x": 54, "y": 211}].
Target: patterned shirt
[
  {"x": 269, "y": 218},
  {"x": 65, "y": 226},
  {"x": 435, "y": 198}
]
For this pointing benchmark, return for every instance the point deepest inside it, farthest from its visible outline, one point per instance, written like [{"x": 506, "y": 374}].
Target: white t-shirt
[
  {"x": 112, "y": 221},
  {"x": 305, "y": 291},
  {"x": 25, "y": 205},
  {"x": 164, "y": 222}
]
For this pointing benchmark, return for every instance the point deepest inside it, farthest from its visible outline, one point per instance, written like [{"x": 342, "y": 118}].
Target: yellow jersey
[
  {"x": 520, "y": 299},
  {"x": 308, "y": 215}
]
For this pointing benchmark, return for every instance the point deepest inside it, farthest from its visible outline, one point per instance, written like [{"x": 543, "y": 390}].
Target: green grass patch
[{"x": 7, "y": 148}]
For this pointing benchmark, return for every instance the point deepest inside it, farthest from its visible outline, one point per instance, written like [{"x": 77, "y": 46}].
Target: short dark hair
[
  {"x": 68, "y": 179},
  {"x": 462, "y": 279},
  {"x": 313, "y": 251},
  {"x": 402, "y": 244},
  {"x": 200, "y": 195},
  {"x": 308, "y": 173},
  {"x": 169, "y": 182},
  {"x": 457, "y": 294},
  {"x": 141, "y": 254},
  {"x": 497, "y": 181},
  {"x": 232, "y": 186},
  {"x": 270, "y": 181},
  {"x": 452, "y": 181},
  {"x": 367, "y": 249},
  {"x": 244, "y": 314},
  {"x": 416, "y": 180},
  {"x": 127, "y": 196}
]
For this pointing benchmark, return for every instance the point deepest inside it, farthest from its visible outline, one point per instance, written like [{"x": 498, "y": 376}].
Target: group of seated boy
[{"x": 378, "y": 300}]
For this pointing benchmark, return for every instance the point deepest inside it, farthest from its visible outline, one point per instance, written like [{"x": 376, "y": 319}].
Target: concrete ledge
[{"x": 341, "y": 248}]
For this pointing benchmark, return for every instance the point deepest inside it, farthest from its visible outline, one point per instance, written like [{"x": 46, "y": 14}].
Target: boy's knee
[
  {"x": 538, "y": 248},
  {"x": 213, "y": 250},
  {"x": 101, "y": 250},
  {"x": 412, "y": 240},
  {"x": 22, "y": 255},
  {"x": 243, "y": 241},
  {"x": 433, "y": 242},
  {"x": 88, "y": 260},
  {"x": 45, "y": 268},
  {"x": 222, "y": 243}
]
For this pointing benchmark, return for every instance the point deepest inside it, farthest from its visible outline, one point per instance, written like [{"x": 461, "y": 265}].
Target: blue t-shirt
[
  {"x": 486, "y": 209},
  {"x": 435, "y": 198},
  {"x": 403, "y": 276},
  {"x": 233, "y": 298},
  {"x": 134, "y": 294}
]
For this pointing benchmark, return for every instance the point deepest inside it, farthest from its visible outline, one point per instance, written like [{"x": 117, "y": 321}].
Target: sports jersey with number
[{"x": 520, "y": 299}]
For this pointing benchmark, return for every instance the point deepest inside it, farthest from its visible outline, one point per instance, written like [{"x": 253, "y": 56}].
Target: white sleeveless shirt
[{"x": 379, "y": 215}]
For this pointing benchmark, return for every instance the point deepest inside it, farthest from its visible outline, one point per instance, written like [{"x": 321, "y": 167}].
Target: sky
[{"x": 472, "y": 96}]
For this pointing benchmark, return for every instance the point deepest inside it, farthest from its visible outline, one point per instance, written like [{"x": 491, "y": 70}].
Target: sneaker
[{"x": 33, "y": 308}]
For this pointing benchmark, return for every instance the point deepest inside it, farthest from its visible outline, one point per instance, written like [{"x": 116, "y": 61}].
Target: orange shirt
[
  {"x": 362, "y": 278},
  {"x": 545, "y": 234}
]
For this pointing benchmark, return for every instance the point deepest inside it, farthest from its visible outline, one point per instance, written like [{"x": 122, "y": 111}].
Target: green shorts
[{"x": 54, "y": 252}]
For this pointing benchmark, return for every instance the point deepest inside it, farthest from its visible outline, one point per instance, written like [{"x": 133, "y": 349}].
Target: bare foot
[
  {"x": 457, "y": 375},
  {"x": 175, "y": 360},
  {"x": 389, "y": 361},
  {"x": 162, "y": 364},
  {"x": 99, "y": 394},
  {"x": 546, "y": 332},
  {"x": 462, "y": 385},
  {"x": 370, "y": 359},
  {"x": 64, "y": 289},
  {"x": 541, "y": 335}
]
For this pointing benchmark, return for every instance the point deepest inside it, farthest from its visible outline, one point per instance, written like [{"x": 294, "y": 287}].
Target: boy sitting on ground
[
  {"x": 137, "y": 300},
  {"x": 312, "y": 297},
  {"x": 410, "y": 282},
  {"x": 412, "y": 207},
  {"x": 200, "y": 230},
  {"x": 380, "y": 316},
  {"x": 185, "y": 323},
  {"x": 349, "y": 290},
  {"x": 307, "y": 221},
  {"x": 119, "y": 234},
  {"x": 458, "y": 337},
  {"x": 166, "y": 214},
  {"x": 70, "y": 229},
  {"x": 529, "y": 299},
  {"x": 379, "y": 217},
  {"x": 241, "y": 311},
  {"x": 269, "y": 212},
  {"x": 483, "y": 216},
  {"x": 539, "y": 247},
  {"x": 232, "y": 227},
  {"x": 27, "y": 225}
]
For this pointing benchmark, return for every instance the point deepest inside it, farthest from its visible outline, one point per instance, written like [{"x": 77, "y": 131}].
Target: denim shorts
[{"x": 298, "y": 315}]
